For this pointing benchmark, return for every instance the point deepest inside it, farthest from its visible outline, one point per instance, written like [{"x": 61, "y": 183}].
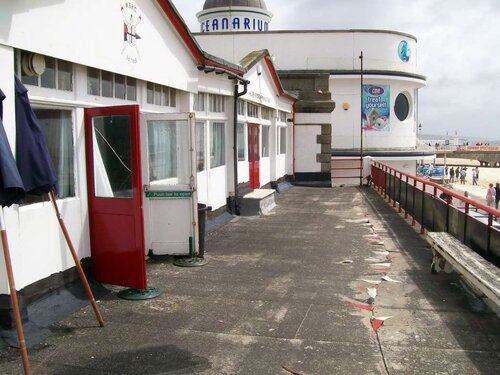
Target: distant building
[{"x": 323, "y": 68}]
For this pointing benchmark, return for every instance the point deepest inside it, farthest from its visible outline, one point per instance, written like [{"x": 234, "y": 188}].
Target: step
[{"x": 258, "y": 202}]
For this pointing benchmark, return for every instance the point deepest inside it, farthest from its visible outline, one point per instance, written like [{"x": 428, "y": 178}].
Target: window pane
[
  {"x": 150, "y": 93},
  {"x": 162, "y": 138},
  {"x": 241, "y": 107},
  {"x": 200, "y": 146},
  {"x": 48, "y": 78},
  {"x": 282, "y": 140},
  {"x": 131, "y": 89},
  {"x": 119, "y": 86},
  {"x": 57, "y": 128},
  {"x": 217, "y": 145},
  {"x": 199, "y": 102},
  {"x": 93, "y": 81},
  {"x": 64, "y": 75},
  {"x": 241, "y": 142},
  {"x": 157, "y": 94},
  {"x": 265, "y": 141},
  {"x": 112, "y": 156},
  {"x": 107, "y": 84},
  {"x": 164, "y": 96},
  {"x": 402, "y": 107},
  {"x": 173, "y": 97},
  {"x": 168, "y": 152}
]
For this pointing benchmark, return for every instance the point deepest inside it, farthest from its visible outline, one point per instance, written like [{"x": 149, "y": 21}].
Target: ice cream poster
[{"x": 376, "y": 108}]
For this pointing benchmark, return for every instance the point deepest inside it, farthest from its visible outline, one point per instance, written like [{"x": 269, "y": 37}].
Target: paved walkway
[{"x": 277, "y": 293}]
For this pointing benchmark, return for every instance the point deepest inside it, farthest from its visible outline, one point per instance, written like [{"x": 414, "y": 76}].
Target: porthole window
[{"x": 402, "y": 107}]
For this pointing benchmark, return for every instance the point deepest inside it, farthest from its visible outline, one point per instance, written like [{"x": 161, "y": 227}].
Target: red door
[
  {"x": 115, "y": 195},
  {"x": 253, "y": 155}
]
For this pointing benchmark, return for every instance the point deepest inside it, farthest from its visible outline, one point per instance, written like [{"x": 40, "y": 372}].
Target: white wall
[
  {"x": 306, "y": 148},
  {"x": 311, "y": 50},
  {"x": 346, "y": 123},
  {"x": 67, "y": 29}
]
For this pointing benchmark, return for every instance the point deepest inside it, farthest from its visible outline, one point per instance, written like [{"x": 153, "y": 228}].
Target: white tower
[{"x": 234, "y": 15}]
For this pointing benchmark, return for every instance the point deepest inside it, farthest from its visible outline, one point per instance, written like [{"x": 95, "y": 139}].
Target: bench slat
[{"x": 481, "y": 273}]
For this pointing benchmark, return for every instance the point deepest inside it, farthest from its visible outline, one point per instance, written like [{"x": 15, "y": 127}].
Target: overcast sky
[{"x": 458, "y": 50}]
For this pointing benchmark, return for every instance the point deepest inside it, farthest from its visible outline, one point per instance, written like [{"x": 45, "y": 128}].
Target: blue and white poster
[{"x": 376, "y": 107}]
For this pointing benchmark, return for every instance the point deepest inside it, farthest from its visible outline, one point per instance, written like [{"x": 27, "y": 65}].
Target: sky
[{"x": 458, "y": 50}]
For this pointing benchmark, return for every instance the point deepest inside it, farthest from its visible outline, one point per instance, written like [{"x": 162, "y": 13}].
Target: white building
[
  {"x": 322, "y": 65},
  {"x": 139, "y": 122}
]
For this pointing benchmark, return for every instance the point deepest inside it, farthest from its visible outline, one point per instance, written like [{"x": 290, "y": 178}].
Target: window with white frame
[
  {"x": 252, "y": 110},
  {"x": 282, "y": 140},
  {"x": 282, "y": 116},
  {"x": 57, "y": 128},
  {"x": 241, "y": 141},
  {"x": 199, "y": 102},
  {"x": 265, "y": 141},
  {"x": 216, "y": 103},
  {"x": 58, "y": 74},
  {"x": 265, "y": 113},
  {"x": 241, "y": 107},
  {"x": 111, "y": 85},
  {"x": 200, "y": 146},
  {"x": 160, "y": 95},
  {"x": 217, "y": 144}
]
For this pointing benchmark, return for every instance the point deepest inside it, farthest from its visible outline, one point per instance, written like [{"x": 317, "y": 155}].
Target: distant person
[
  {"x": 463, "y": 175},
  {"x": 490, "y": 196},
  {"x": 446, "y": 197},
  {"x": 452, "y": 175},
  {"x": 497, "y": 194},
  {"x": 457, "y": 173},
  {"x": 474, "y": 176},
  {"x": 477, "y": 173}
]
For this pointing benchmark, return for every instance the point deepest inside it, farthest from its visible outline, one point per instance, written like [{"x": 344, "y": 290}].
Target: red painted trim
[
  {"x": 276, "y": 79},
  {"x": 293, "y": 144}
]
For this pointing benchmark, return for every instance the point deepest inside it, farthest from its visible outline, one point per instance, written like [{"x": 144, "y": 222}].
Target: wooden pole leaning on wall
[
  {"x": 77, "y": 261},
  {"x": 13, "y": 297}
]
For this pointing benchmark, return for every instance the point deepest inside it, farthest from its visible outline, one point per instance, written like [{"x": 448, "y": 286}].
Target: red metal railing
[{"x": 463, "y": 217}]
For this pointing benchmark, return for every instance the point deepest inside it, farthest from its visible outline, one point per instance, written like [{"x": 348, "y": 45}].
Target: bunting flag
[
  {"x": 32, "y": 155},
  {"x": 377, "y": 322},
  {"x": 387, "y": 278},
  {"x": 363, "y": 306},
  {"x": 11, "y": 184}
]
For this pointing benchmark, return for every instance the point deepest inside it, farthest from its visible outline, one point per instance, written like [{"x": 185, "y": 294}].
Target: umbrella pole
[
  {"x": 13, "y": 296},
  {"x": 77, "y": 261}
]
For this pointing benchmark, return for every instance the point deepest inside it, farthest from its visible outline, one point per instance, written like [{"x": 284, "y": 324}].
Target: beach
[{"x": 486, "y": 176}]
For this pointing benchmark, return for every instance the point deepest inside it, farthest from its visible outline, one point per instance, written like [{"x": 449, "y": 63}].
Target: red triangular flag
[{"x": 363, "y": 306}]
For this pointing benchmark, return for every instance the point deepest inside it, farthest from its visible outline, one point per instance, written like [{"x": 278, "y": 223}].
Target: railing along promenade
[{"x": 471, "y": 222}]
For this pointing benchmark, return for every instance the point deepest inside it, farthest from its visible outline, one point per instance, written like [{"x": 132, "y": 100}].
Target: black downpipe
[{"x": 237, "y": 94}]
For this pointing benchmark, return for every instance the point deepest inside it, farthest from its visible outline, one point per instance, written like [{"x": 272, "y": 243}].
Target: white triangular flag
[
  {"x": 372, "y": 292},
  {"x": 387, "y": 278}
]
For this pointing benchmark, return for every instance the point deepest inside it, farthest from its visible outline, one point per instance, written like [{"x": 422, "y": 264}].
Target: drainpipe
[{"x": 237, "y": 94}]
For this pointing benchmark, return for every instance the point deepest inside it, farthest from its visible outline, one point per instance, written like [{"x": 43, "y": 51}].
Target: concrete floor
[{"x": 275, "y": 293}]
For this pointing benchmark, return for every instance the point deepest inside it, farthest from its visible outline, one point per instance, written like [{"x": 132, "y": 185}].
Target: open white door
[{"x": 169, "y": 175}]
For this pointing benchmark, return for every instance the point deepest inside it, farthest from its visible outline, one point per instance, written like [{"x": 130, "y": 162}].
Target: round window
[{"x": 402, "y": 107}]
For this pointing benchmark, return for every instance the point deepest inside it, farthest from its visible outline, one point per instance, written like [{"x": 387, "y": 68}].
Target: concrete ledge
[{"x": 258, "y": 202}]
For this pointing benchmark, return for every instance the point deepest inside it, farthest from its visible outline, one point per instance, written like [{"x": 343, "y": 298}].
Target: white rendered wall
[
  {"x": 306, "y": 148},
  {"x": 317, "y": 50},
  {"x": 346, "y": 123},
  {"x": 66, "y": 29}
]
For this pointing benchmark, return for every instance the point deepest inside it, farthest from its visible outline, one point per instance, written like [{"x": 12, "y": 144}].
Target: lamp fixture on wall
[{"x": 346, "y": 106}]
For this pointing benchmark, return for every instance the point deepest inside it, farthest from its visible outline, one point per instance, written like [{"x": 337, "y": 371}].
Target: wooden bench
[{"x": 450, "y": 254}]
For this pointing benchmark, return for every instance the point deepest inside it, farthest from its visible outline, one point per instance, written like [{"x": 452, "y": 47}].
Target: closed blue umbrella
[
  {"x": 32, "y": 156},
  {"x": 11, "y": 185}
]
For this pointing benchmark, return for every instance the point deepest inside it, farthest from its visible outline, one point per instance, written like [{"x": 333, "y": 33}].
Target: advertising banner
[{"x": 376, "y": 107}]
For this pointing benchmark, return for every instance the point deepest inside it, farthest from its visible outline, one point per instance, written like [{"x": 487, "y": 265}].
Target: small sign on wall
[
  {"x": 376, "y": 107},
  {"x": 168, "y": 194}
]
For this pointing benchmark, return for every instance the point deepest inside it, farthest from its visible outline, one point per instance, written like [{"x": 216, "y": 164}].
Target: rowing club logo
[{"x": 131, "y": 20}]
